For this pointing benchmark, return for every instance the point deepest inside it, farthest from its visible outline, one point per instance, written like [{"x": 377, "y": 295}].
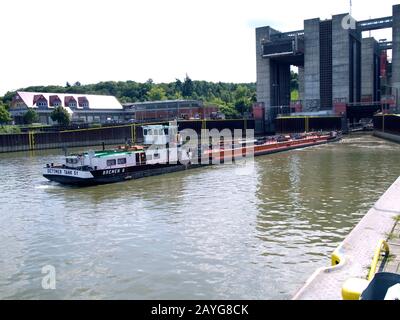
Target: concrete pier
[
  {"x": 311, "y": 65},
  {"x": 356, "y": 251},
  {"x": 396, "y": 47},
  {"x": 369, "y": 65}
]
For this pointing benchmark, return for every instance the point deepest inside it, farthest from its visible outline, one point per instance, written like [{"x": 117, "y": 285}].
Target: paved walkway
[
  {"x": 392, "y": 264},
  {"x": 356, "y": 251}
]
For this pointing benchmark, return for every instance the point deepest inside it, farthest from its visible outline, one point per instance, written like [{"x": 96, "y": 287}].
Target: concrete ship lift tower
[{"x": 339, "y": 71}]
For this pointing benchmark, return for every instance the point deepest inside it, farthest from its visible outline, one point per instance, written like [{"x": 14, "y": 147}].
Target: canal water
[{"x": 211, "y": 233}]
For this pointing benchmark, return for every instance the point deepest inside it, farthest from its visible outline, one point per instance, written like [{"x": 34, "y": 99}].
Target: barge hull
[
  {"x": 138, "y": 172},
  {"x": 100, "y": 178}
]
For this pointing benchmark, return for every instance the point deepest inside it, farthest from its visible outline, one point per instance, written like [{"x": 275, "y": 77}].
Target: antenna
[
  {"x": 370, "y": 32},
  {"x": 351, "y": 7}
]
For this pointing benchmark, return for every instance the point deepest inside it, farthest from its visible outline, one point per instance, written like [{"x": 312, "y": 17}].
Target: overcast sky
[{"x": 51, "y": 41}]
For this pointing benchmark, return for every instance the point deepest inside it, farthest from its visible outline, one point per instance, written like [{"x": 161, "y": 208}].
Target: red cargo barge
[{"x": 271, "y": 145}]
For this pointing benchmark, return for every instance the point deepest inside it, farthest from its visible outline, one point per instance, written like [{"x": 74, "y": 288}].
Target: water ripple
[{"x": 201, "y": 234}]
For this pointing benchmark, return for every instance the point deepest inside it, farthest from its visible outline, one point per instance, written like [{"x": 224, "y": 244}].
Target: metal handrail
[
  {"x": 353, "y": 288},
  {"x": 381, "y": 245}
]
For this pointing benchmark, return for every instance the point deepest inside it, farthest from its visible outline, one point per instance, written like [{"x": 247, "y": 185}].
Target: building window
[
  {"x": 111, "y": 163},
  {"x": 42, "y": 104},
  {"x": 122, "y": 161}
]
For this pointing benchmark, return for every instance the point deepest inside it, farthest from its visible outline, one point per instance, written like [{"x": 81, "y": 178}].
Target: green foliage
[
  {"x": 31, "y": 116},
  {"x": 294, "y": 81},
  {"x": 95, "y": 125},
  {"x": 243, "y": 100},
  {"x": 4, "y": 115},
  {"x": 61, "y": 115},
  {"x": 156, "y": 94},
  {"x": 9, "y": 129},
  {"x": 294, "y": 95},
  {"x": 228, "y": 109}
]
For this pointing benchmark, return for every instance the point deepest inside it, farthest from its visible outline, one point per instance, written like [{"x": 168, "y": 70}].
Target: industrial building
[
  {"x": 340, "y": 72},
  {"x": 85, "y": 108},
  {"x": 171, "y": 109}
]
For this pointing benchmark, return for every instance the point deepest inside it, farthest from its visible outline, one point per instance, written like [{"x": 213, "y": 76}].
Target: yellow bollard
[{"x": 353, "y": 288}]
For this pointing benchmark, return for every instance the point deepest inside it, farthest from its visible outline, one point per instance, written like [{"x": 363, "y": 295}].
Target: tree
[
  {"x": 243, "y": 99},
  {"x": 294, "y": 81},
  {"x": 31, "y": 116},
  {"x": 226, "y": 108},
  {"x": 61, "y": 115},
  {"x": 176, "y": 96},
  {"x": 178, "y": 85},
  {"x": 156, "y": 94},
  {"x": 187, "y": 87},
  {"x": 5, "y": 116}
]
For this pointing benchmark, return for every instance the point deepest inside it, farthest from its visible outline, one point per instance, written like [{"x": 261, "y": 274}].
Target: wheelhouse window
[
  {"x": 156, "y": 156},
  {"x": 122, "y": 161},
  {"x": 111, "y": 163},
  {"x": 72, "y": 161}
]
